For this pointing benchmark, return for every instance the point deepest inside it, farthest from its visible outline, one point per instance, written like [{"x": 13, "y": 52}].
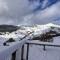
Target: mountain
[
  {"x": 42, "y": 32},
  {"x": 8, "y": 28},
  {"x": 46, "y": 32}
]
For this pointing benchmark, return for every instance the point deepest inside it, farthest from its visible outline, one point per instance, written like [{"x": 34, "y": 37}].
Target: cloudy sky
[{"x": 29, "y": 11}]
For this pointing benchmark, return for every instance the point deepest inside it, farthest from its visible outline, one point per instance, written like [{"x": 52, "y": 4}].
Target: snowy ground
[{"x": 37, "y": 53}]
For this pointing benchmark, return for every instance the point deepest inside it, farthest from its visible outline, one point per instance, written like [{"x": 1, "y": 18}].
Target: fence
[
  {"x": 10, "y": 48},
  {"x": 44, "y": 44},
  {"x": 14, "y": 47}
]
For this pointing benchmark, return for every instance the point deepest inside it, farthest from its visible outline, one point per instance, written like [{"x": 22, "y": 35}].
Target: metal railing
[
  {"x": 28, "y": 43},
  {"x": 12, "y": 47}
]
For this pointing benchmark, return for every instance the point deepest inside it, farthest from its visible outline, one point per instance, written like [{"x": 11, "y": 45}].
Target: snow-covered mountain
[{"x": 35, "y": 30}]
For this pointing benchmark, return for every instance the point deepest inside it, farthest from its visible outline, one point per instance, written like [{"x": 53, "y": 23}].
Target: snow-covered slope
[
  {"x": 25, "y": 30},
  {"x": 40, "y": 29}
]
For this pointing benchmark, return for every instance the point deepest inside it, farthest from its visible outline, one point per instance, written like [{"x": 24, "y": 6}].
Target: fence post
[
  {"x": 13, "y": 56},
  {"x": 44, "y": 48},
  {"x": 27, "y": 55},
  {"x": 22, "y": 52}
]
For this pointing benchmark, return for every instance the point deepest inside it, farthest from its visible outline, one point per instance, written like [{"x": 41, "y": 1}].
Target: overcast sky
[{"x": 29, "y": 12}]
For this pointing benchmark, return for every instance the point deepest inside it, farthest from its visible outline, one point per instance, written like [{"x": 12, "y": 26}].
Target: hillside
[{"x": 8, "y": 28}]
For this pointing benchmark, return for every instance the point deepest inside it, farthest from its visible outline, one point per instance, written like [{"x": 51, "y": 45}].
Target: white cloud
[
  {"x": 19, "y": 12},
  {"x": 3, "y": 7},
  {"x": 12, "y": 10},
  {"x": 44, "y": 3},
  {"x": 48, "y": 15}
]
